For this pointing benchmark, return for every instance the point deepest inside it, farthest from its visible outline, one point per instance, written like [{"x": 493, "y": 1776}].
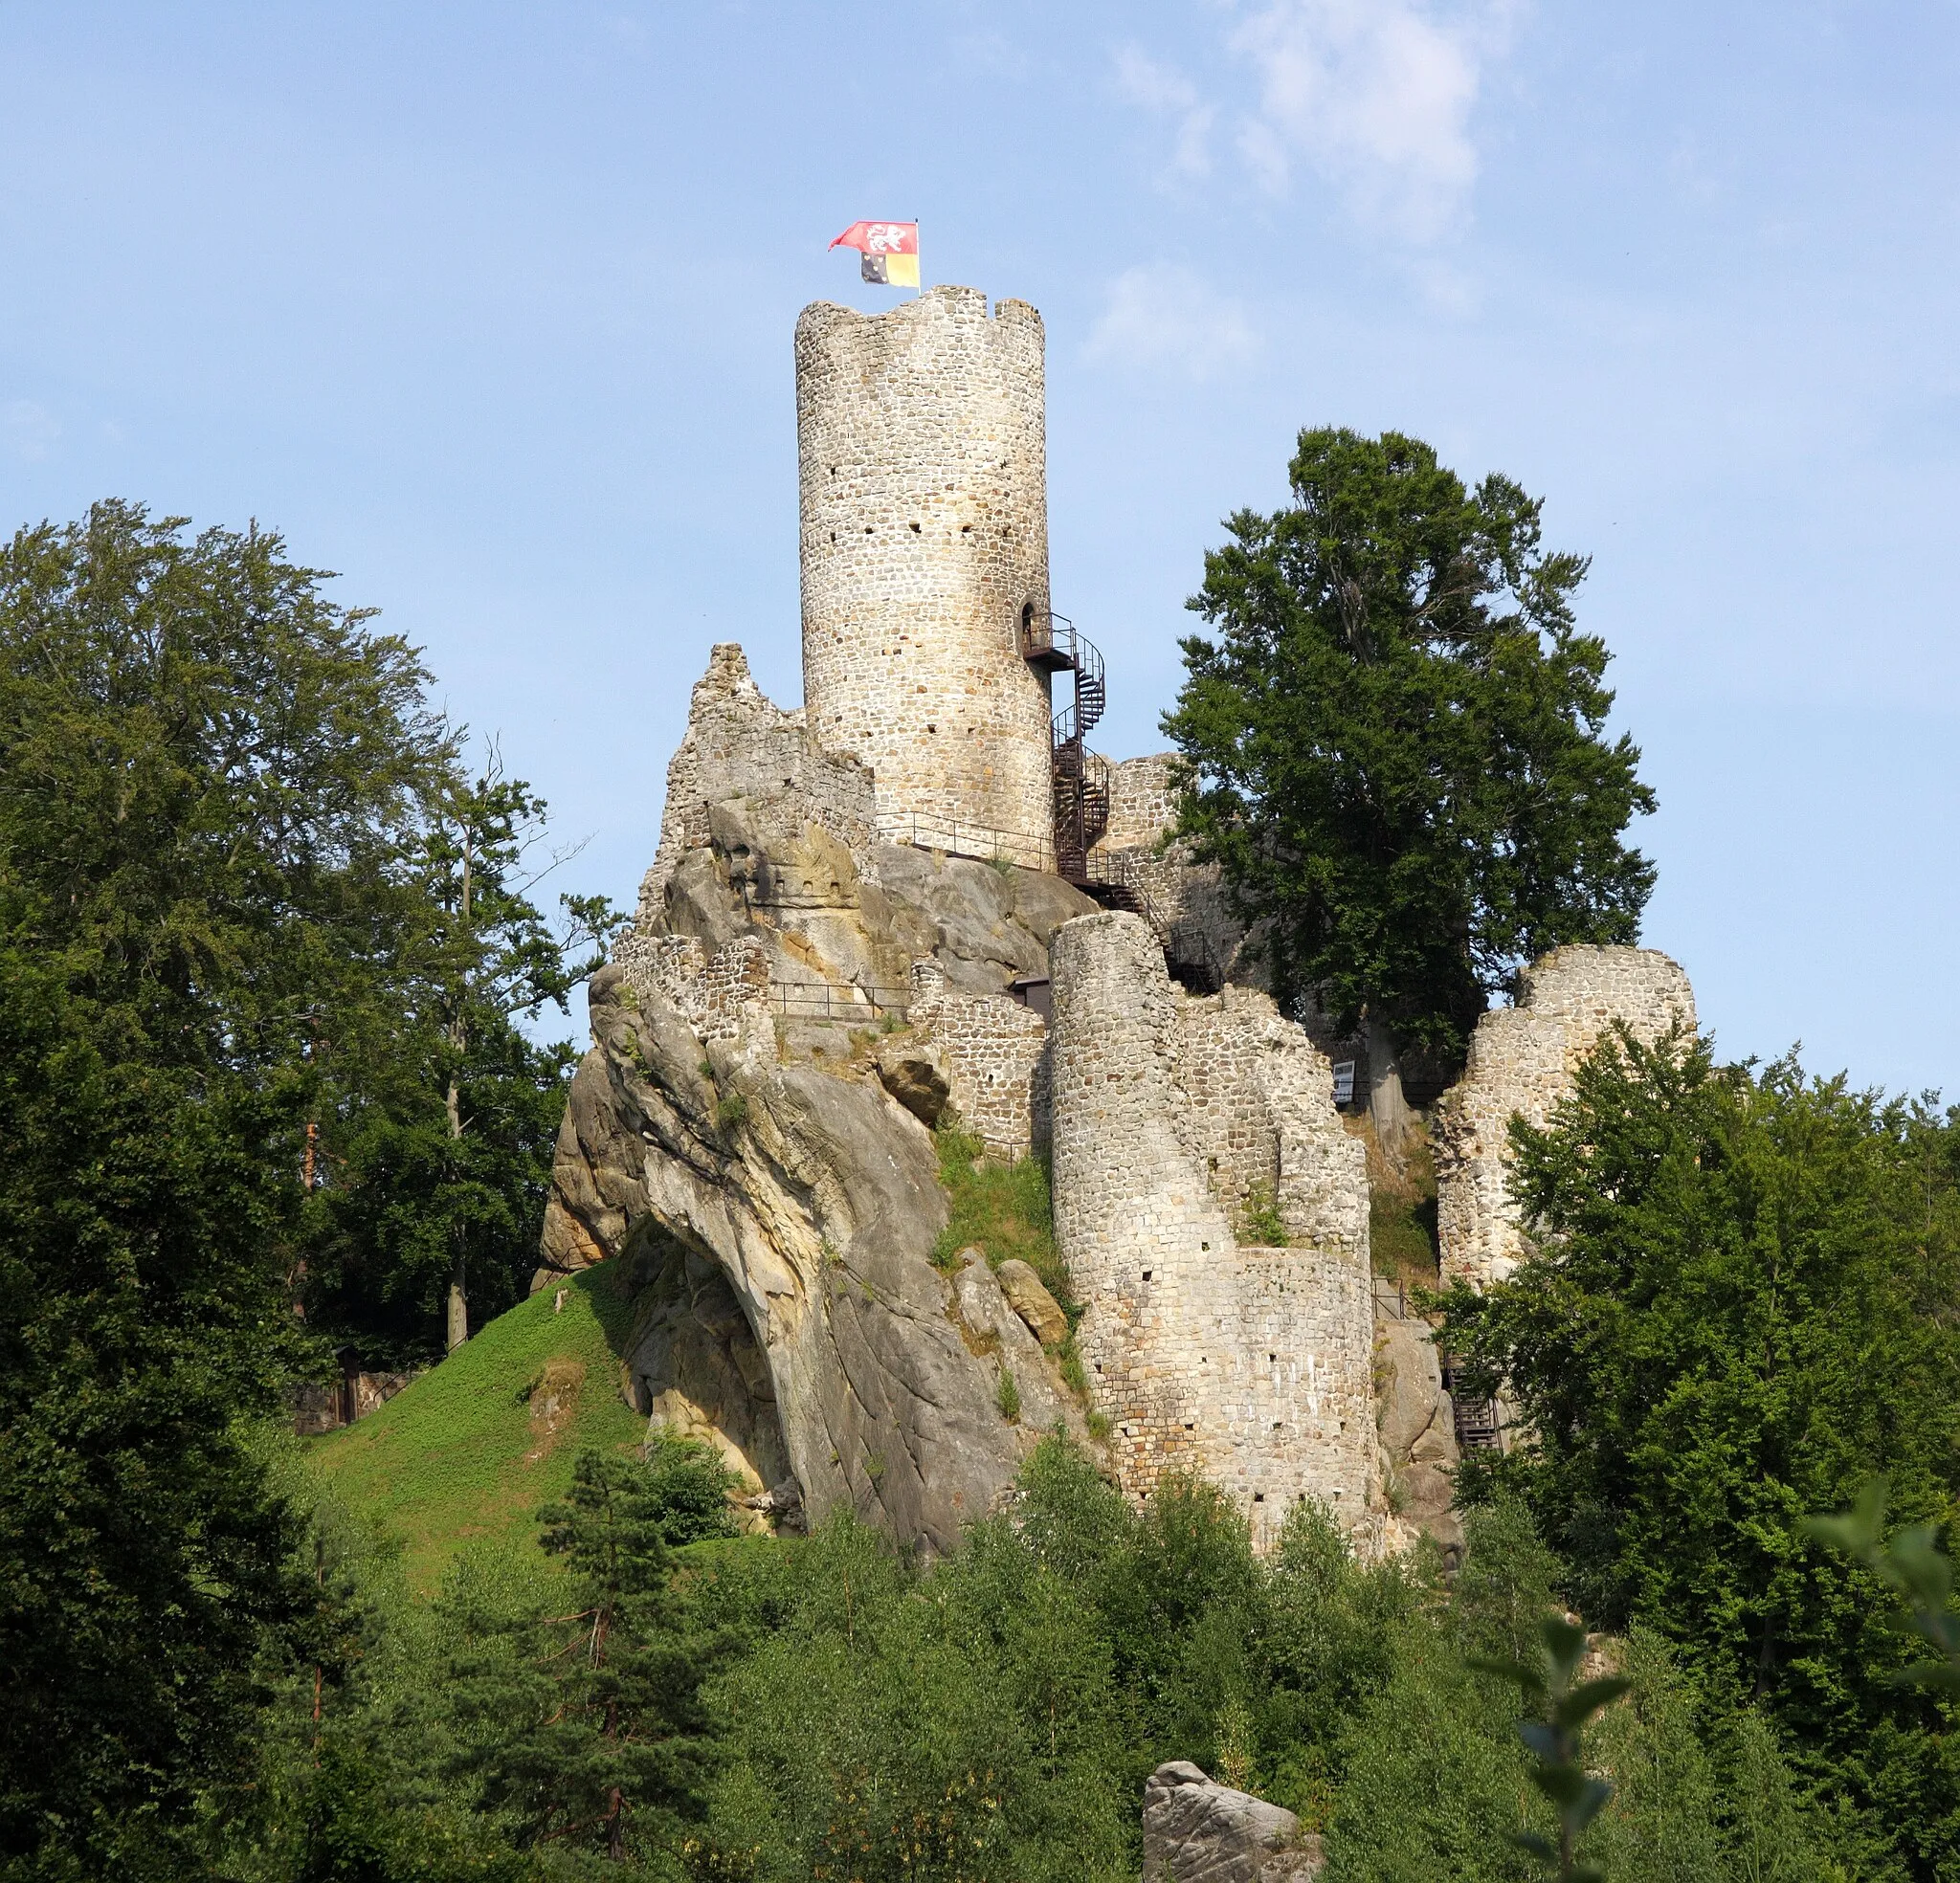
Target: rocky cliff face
[{"x": 731, "y": 1137}]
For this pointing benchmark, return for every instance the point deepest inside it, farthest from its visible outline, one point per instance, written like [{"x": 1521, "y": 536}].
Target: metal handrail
[
  {"x": 959, "y": 837},
  {"x": 1184, "y": 938},
  {"x": 1084, "y": 711},
  {"x": 1038, "y": 636},
  {"x": 823, "y": 1000}
]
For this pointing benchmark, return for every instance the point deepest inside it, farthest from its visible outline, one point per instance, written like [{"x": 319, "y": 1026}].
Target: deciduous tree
[{"x": 1396, "y": 746}]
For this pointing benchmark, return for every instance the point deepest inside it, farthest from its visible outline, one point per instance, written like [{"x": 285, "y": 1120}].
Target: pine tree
[{"x": 586, "y": 1727}]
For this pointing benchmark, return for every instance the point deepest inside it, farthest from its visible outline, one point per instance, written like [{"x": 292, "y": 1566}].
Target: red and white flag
[{"x": 890, "y": 250}]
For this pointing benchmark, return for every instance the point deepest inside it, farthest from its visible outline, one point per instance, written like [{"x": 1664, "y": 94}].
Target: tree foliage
[
  {"x": 1396, "y": 739},
  {"x": 585, "y": 1728},
  {"x": 230, "y": 815},
  {"x": 235, "y": 978},
  {"x": 205, "y": 772},
  {"x": 1743, "y": 1305},
  {"x": 143, "y": 1552}
]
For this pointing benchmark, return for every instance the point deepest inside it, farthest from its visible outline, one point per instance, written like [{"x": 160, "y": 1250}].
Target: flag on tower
[{"x": 889, "y": 252}]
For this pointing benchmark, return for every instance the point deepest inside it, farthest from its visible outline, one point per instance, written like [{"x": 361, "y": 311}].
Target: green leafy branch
[
  {"x": 1912, "y": 1566},
  {"x": 1563, "y": 1706}
]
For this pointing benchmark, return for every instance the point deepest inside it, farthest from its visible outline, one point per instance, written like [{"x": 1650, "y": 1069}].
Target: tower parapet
[{"x": 923, "y": 478}]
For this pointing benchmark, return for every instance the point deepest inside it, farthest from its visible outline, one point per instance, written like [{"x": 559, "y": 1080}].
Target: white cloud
[
  {"x": 1373, "y": 95},
  {"x": 1165, "y": 91},
  {"x": 1165, "y": 316},
  {"x": 30, "y": 428}
]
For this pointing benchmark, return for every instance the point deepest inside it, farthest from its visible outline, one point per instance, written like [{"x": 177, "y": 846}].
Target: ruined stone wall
[
  {"x": 739, "y": 744},
  {"x": 1254, "y": 1113},
  {"x": 1183, "y": 899},
  {"x": 1249, "y": 1364},
  {"x": 715, "y": 994},
  {"x": 1142, "y": 804},
  {"x": 923, "y": 506},
  {"x": 1521, "y": 1063},
  {"x": 993, "y": 1049}
]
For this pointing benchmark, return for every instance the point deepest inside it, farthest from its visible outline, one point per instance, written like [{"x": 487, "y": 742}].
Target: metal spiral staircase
[{"x": 1051, "y": 645}]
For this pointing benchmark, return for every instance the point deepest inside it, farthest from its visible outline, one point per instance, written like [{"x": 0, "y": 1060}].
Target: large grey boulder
[{"x": 1196, "y": 1830}]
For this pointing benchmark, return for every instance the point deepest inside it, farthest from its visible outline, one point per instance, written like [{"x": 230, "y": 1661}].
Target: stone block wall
[
  {"x": 740, "y": 745},
  {"x": 1143, "y": 803},
  {"x": 993, "y": 1049},
  {"x": 1521, "y": 1064},
  {"x": 1250, "y": 1366},
  {"x": 1254, "y": 1111},
  {"x": 923, "y": 483},
  {"x": 715, "y": 994},
  {"x": 1185, "y": 899}
]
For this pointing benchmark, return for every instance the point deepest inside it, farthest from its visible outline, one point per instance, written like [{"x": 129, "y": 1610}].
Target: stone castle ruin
[{"x": 921, "y": 892}]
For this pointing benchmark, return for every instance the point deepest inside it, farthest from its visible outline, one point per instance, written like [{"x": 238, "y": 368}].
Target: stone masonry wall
[
  {"x": 1254, "y": 1113},
  {"x": 1184, "y": 899},
  {"x": 739, "y": 744},
  {"x": 1250, "y": 1366},
  {"x": 1521, "y": 1062},
  {"x": 715, "y": 994},
  {"x": 1143, "y": 803},
  {"x": 993, "y": 1049},
  {"x": 922, "y": 486}
]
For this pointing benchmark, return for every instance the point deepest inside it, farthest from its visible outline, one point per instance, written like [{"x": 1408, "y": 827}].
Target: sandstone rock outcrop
[
  {"x": 1196, "y": 1830},
  {"x": 1418, "y": 1423},
  {"x": 1521, "y": 1063},
  {"x": 1029, "y": 1297},
  {"x": 731, "y": 1138}
]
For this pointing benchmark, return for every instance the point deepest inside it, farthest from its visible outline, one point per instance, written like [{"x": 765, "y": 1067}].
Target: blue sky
[{"x": 489, "y": 308}]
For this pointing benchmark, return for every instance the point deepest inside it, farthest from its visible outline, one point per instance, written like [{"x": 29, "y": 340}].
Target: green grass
[
  {"x": 1401, "y": 1210},
  {"x": 1004, "y": 1209},
  {"x": 462, "y": 1458}
]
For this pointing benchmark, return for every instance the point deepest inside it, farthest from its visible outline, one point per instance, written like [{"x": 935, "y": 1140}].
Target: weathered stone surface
[
  {"x": 1250, "y": 1365},
  {"x": 1028, "y": 1296},
  {"x": 731, "y": 1137},
  {"x": 1411, "y": 1383},
  {"x": 1418, "y": 1428},
  {"x": 993, "y": 1049},
  {"x": 1521, "y": 1063},
  {"x": 914, "y": 1072},
  {"x": 1196, "y": 1830},
  {"x": 923, "y": 493},
  {"x": 993, "y": 1329}
]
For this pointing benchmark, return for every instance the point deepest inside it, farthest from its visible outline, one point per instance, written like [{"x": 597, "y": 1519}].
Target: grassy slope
[{"x": 463, "y": 1459}]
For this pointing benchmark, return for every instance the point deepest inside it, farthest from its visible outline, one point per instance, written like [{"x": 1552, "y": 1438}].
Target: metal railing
[
  {"x": 960, "y": 836},
  {"x": 1185, "y": 944},
  {"x": 1480, "y": 1425},
  {"x": 1049, "y": 638},
  {"x": 823, "y": 1000}
]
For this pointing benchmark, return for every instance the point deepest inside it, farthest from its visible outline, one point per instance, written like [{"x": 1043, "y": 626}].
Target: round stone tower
[{"x": 925, "y": 562}]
